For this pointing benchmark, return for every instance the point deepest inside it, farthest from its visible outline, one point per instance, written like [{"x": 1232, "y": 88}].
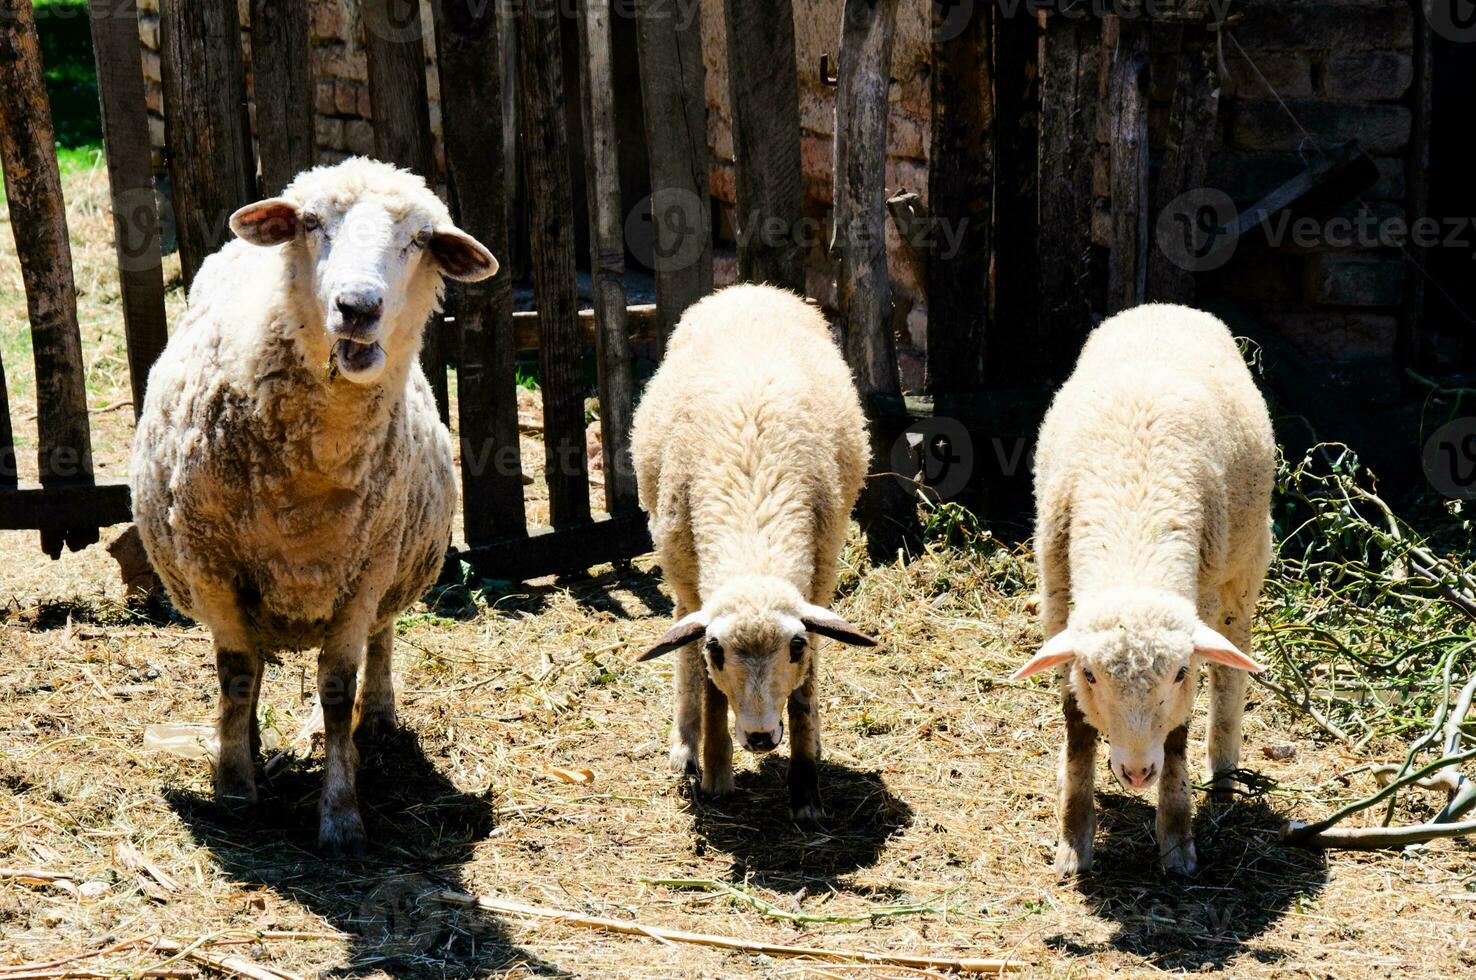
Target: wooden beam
[
  {"x": 62, "y": 506},
  {"x": 551, "y": 206},
  {"x": 207, "y": 133},
  {"x": 887, "y": 510},
  {"x": 672, "y": 78},
  {"x": 282, "y": 84},
  {"x": 560, "y": 551},
  {"x": 607, "y": 253},
  {"x": 38, "y": 220},
  {"x": 469, "y": 50},
  {"x": 1125, "y": 43},
  {"x": 763, "y": 91},
  {"x": 125, "y": 121}
]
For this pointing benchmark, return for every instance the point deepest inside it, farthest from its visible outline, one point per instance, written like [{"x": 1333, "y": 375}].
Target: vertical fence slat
[
  {"x": 467, "y": 43},
  {"x": 669, "y": 39},
  {"x": 607, "y": 252},
  {"x": 1068, "y": 126},
  {"x": 551, "y": 211},
  {"x": 125, "y": 119},
  {"x": 1017, "y": 349},
  {"x": 394, "y": 47},
  {"x": 38, "y": 219},
  {"x": 1125, "y": 42},
  {"x": 211, "y": 165},
  {"x": 283, "y": 86},
  {"x": 960, "y": 188},
  {"x": 9, "y": 472},
  {"x": 763, "y": 90},
  {"x": 887, "y": 510},
  {"x": 1408, "y": 345}
]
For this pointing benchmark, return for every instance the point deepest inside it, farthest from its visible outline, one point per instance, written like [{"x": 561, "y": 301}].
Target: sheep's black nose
[
  {"x": 360, "y": 308},
  {"x": 761, "y": 741}
]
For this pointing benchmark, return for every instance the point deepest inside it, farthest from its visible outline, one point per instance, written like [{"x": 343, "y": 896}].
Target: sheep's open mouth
[{"x": 356, "y": 358}]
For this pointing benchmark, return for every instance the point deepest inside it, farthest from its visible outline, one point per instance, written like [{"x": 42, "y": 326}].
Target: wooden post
[
  {"x": 9, "y": 471},
  {"x": 38, "y": 219},
  {"x": 394, "y": 48},
  {"x": 607, "y": 253},
  {"x": 1407, "y": 349},
  {"x": 125, "y": 119},
  {"x": 887, "y": 509},
  {"x": 207, "y": 132},
  {"x": 1018, "y": 348},
  {"x": 468, "y": 50},
  {"x": 283, "y": 85},
  {"x": 669, "y": 37},
  {"x": 551, "y": 207},
  {"x": 763, "y": 88},
  {"x": 1125, "y": 42},
  {"x": 1068, "y": 126},
  {"x": 960, "y": 189}
]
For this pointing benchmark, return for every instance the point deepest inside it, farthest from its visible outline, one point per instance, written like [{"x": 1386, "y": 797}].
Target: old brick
[
  {"x": 345, "y": 98},
  {"x": 323, "y": 97},
  {"x": 1374, "y": 76},
  {"x": 1287, "y": 72},
  {"x": 358, "y": 137},
  {"x": 148, "y": 30},
  {"x": 1353, "y": 279},
  {"x": 1339, "y": 335},
  {"x": 1333, "y": 26},
  {"x": 324, "y": 22},
  {"x": 151, "y": 66},
  {"x": 1266, "y": 125},
  {"x": 329, "y": 132}
]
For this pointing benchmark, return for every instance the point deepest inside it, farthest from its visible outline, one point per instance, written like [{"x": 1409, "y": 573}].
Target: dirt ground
[{"x": 532, "y": 768}]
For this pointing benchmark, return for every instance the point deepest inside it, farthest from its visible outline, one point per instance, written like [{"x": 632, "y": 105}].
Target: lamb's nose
[
  {"x": 360, "y": 307},
  {"x": 1138, "y": 778},
  {"x": 761, "y": 741}
]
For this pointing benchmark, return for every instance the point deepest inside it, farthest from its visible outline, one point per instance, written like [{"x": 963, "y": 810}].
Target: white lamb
[
  {"x": 750, "y": 449},
  {"x": 291, "y": 480},
  {"x": 1153, "y": 482}
]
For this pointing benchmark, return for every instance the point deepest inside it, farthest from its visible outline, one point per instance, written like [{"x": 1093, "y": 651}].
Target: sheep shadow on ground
[
  {"x": 421, "y": 830},
  {"x": 770, "y": 850},
  {"x": 1247, "y": 880}
]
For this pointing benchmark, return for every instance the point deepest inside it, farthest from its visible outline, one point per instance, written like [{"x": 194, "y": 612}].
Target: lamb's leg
[
  {"x": 1227, "y": 692},
  {"x": 689, "y": 684},
  {"x": 376, "y": 708},
  {"x": 255, "y": 731},
  {"x": 1076, "y": 811},
  {"x": 239, "y": 673},
  {"x": 1175, "y": 808},
  {"x": 804, "y": 745},
  {"x": 340, "y": 828},
  {"x": 717, "y": 741}
]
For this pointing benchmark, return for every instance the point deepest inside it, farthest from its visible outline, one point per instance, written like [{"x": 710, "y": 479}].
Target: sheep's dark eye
[
  {"x": 715, "y": 654},
  {"x": 311, "y": 222},
  {"x": 421, "y": 240},
  {"x": 797, "y": 648},
  {"x": 1183, "y": 673},
  {"x": 1091, "y": 677}
]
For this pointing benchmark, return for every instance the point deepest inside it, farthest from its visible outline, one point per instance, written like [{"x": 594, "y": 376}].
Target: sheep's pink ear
[
  {"x": 687, "y": 629},
  {"x": 823, "y": 622},
  {"x": 1216, "y": 649},
  {"x": 269, "y": 222},
  {"x": 1058, "y": 650},
  {"x": 461, "y": 256}
]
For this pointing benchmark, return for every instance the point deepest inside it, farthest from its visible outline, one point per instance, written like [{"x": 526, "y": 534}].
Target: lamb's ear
[
  {"x": 461, "y": 256},
  {"x": 1058, "y": 649},
  {"x": 687, "y": 629},
  {"x": 269, "y": 222},
  {"x": 1215, "y": 648},
  {"x": 823, "y": 622}
]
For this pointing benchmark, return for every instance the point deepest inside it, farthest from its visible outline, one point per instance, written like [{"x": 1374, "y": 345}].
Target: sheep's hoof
[
  {"x": 1180, "y": 859},
  {"x": 1073, "y": 861},
  {"x": 376, "y": 722},
  {"x": 235, "y": 791},
  {"x": 717, "y": 783},
  {"x": 342, "y": 835},
  {"x": 808, "y": 815}
]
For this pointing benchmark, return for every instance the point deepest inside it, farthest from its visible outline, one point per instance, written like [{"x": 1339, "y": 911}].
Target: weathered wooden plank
[
  {"x": 960, "y": 191},
  {"x": 38, "y": 219},
  {"x": 9, "y": 470},
  {"x": 670, "y": 45},
  {"x": 559, "y": 551},
  {"x": 125, "y": 119},
  {"x": 394, "y": 47},
  {"x": 512, "y": 147},
  {"x": 282, "y": 84},
  {"x": 211, "y": 166},
  {"x": 607, "y": 253},
  {"x": 1192, "y": 134},
  {"x": 551, "y": 240},
  {"x": 1017, "y": 349},
  {"x": 1068, "y": 122},
  {"x": 56, "y": 508},
  {"x": 1126, "y": 43},
  {"x": 868, "y": 27},
  {"x": 468, "y": 49},
  {"x": 1417, "y": 190},
  {"x": 763, "y": 89}
]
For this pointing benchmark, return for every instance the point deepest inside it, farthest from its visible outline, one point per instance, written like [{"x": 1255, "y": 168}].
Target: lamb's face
[{"x": 373, "y": 244}]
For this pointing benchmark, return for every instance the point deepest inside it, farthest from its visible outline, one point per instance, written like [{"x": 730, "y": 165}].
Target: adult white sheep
[
  {"x": 750, "y": 449},
  {"x": 291, "y": 480},
  {"x": 1153, "y": 482}
]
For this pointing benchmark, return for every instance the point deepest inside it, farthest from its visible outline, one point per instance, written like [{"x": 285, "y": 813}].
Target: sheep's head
[
  {"x": 758, "y": 637},
  {"x": 1129, "y": 658},
  {"x": 374, "y": 242}
]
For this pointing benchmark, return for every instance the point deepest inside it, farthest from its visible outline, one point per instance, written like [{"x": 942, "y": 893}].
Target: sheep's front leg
[
  {"x": 1175, "y": 808},
  {"x": 1227, "y": 693},
  {"x": 804, "y": 745},
  {"x": 1076, "y": 811},
  {"x": 376, "y": 707},
  {"x": 717, "y": 740},
  {"x": 239, "y": 674},
  {"x": 340, "y": 828}
]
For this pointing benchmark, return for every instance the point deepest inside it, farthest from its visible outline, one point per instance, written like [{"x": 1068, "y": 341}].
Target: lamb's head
[
  {"x": 1129, "y": 659},
  {"x": 370, "y": 243},
  {"x": 758, "y": 637}
]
